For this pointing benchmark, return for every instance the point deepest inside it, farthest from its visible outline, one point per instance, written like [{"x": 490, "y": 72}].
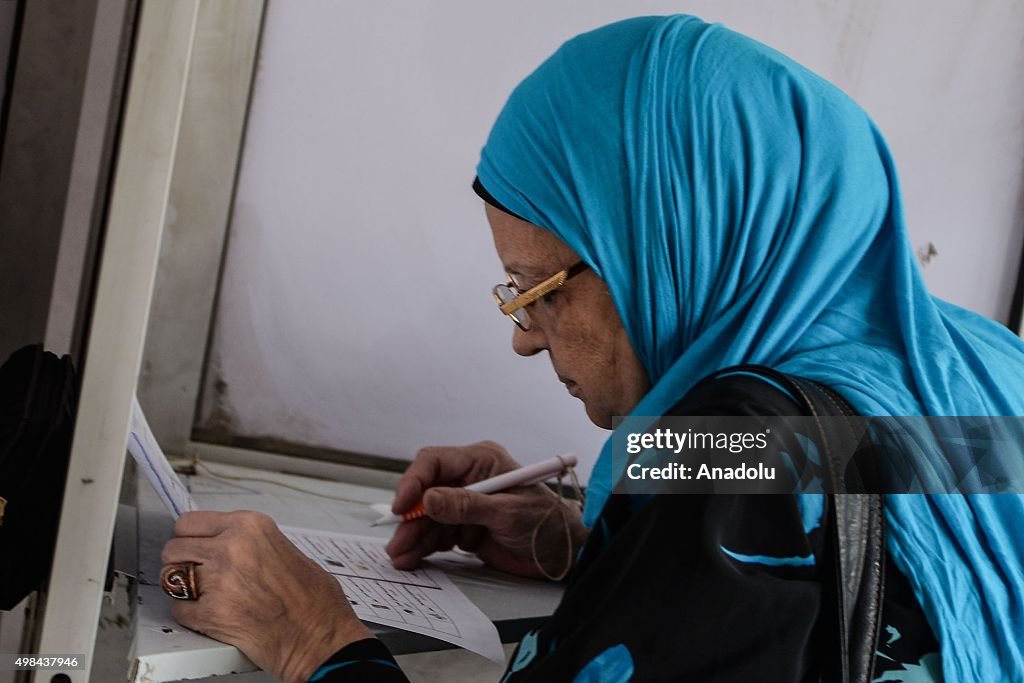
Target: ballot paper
[
  {"x": 422, "y": 601},
  {"x": 151, "y": 459}
]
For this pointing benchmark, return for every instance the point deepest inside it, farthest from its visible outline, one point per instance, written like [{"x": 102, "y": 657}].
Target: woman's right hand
[{"x": 498, "y": 527}]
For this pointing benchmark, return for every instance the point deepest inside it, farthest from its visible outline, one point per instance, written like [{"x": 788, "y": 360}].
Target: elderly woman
[{"x": 689, "y": 200}]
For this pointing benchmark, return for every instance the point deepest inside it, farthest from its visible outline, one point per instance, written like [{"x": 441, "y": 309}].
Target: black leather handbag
[
  {"x": 852, "y": 602},
  {"x": 38, "y": 396}
]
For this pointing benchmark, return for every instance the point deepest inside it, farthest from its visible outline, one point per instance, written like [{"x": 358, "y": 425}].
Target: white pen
[{"x": 531, "y": 474}]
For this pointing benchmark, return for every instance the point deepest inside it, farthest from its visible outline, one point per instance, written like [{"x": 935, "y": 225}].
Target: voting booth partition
[
  {"x": 120, "y": 161},
  {"x": 126, "y": 269}
]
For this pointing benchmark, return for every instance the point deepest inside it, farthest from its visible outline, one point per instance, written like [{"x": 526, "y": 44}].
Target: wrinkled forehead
[{"x": 526, "y": 249}]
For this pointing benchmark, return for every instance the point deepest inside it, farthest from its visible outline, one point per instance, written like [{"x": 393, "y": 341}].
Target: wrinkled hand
[
  {"x": 260, "y": 594},
  {"x": 498, "y": 527}
]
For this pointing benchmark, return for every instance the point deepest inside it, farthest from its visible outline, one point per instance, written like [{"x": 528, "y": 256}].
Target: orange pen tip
[{"x": 415, "y": 513}]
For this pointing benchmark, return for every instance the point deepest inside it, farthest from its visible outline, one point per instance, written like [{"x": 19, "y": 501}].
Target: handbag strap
[{"x": 854, "y": 555}]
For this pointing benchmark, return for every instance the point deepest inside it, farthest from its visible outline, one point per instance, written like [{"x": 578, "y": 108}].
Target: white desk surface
[{"x": 165, "y": 651}]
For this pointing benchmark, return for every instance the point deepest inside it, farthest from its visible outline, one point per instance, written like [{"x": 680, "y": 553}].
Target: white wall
[{"x": 355, "y": 310}]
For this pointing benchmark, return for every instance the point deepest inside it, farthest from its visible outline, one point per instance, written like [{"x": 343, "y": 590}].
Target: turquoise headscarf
[{"x": 743, "y": 210}]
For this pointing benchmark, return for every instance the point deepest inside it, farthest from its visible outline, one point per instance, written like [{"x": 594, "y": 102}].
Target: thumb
[{"x": 449, "y": 505}]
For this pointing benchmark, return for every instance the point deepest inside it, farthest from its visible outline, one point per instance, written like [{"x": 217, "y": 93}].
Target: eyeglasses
[{"x": 513, "y": 302}]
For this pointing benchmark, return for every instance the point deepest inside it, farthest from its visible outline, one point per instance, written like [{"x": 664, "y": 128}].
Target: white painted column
[{"x": 149, "y": 137}]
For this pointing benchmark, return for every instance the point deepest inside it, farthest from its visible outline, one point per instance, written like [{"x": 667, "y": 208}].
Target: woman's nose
[{"x": 528, "y": 342}]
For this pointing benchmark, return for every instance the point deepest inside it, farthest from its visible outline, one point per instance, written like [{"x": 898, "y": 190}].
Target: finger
[
  {"x": 407, "y": 561},
  {"x": 203, "y": 523},
  {"x": 433, "y": 465},
  {"x": 197, "y": 616},
  {"x": 470, "y": 537},
  {"x": 191, "y": 549},
  {"x": 187, "y": 613},
  {"x": 424, "y": 545},
  {"x": 448, "y": 466},
  {"x": 413, "y": 559},
  {"x": 406, "y": 535},
  {"x": 460, "y": 506}
]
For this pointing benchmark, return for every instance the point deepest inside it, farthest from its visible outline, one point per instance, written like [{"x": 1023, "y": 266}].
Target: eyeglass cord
[{"x": 559, "y": 504}]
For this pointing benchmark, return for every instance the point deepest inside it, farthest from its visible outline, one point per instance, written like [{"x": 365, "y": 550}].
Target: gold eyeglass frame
[{"x": 523, "y": 299}]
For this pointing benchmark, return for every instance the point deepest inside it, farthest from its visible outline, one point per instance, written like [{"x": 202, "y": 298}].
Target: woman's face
[{"x": 577, "y": 324}]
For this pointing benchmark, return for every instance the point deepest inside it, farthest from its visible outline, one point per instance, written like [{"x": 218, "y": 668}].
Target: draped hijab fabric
[{"x": 743, "y": 210}]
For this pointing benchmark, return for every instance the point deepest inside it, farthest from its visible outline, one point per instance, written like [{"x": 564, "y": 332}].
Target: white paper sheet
[
  {"x": 150, "y": 457},
  {"x": 423, "y": 601}
]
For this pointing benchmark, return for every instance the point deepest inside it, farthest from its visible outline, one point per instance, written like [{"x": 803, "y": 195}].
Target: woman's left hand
[{"x": 260, "y": 594}]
